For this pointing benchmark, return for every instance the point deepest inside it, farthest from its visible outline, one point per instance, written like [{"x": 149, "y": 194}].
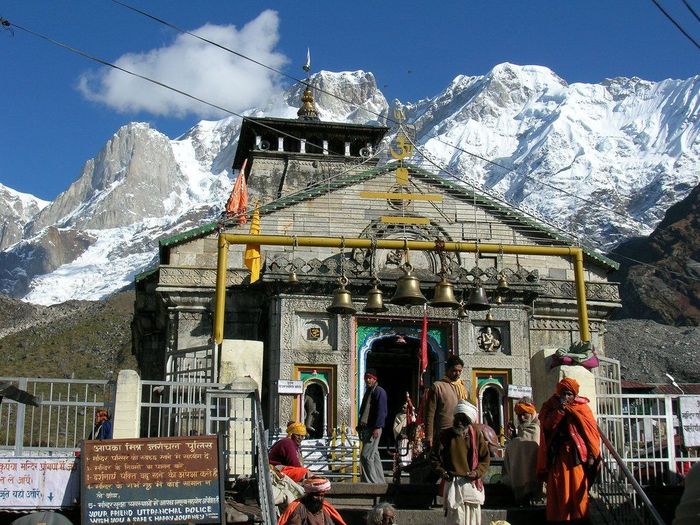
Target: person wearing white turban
[{"x": 461, "y": 458}]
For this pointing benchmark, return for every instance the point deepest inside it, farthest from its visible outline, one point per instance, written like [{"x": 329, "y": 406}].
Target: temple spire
[{"x": 307, "y": 111}]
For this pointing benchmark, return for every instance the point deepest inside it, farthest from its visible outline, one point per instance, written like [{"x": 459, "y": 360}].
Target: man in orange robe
[
  {"x": 312, "y": 508},
  {"x": 569, "y": 452}
]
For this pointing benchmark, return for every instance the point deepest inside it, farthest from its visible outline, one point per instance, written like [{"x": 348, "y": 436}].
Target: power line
[
  {"x": 678, "y": 26},
  {"x": 507, "y": 169},
  {"x": 690, "y": 8}
]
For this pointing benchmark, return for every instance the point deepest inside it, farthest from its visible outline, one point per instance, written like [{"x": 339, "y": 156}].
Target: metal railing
[
  {"x": 643, "y": 447},
  {"x": 266, "y": 497},
  {"x": 620, "y": 495},
  {"x": 65, "y": 415}
]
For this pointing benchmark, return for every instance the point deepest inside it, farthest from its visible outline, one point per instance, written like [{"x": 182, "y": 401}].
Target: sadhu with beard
[
  {"x": 461, "y": 457},
  {"x": 520, "y": 460},
  {"x": 569, "y": 453},
  {"x": 312, "y": 508}
]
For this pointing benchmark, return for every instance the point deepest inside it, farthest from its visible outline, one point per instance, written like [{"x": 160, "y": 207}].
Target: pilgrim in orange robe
[{"x": 569, "y": 449}]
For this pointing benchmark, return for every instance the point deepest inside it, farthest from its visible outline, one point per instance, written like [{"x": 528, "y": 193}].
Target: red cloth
[
  {"x": 568, "y": 383},
  {"x": 296, "y": 473},
  {"x": 569, "y": 437},
  {"x": 525, "y": 408},
  {"x": 423, "y": 358},
  {"x": 327, "y": 509}
]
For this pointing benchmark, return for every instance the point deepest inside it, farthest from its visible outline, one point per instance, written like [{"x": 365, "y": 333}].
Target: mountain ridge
[{"x": 629, "y": 143}]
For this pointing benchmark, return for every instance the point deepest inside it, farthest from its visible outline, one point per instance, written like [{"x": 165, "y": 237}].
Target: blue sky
[{"x": 59, "y": 109}]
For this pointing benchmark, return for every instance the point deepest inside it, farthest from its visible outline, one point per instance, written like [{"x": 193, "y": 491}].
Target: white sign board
[
  {"x": 516, "y": 391},
  {"x": 690, "y": 420},
  {"x": 287, "y": 386},
  {"x": 39, "y": 483}
]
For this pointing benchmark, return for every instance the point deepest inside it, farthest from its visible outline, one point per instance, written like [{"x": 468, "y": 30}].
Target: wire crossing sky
[{"x": 59, "y": 109}]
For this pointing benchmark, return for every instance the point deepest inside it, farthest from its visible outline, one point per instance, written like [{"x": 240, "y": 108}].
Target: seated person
[{"x": 285, "y": 455}]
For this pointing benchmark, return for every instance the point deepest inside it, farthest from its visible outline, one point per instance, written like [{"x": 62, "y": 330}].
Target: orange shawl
[
  {"x": 582, "y": 427},
  {"x": 327, "y": 508}
]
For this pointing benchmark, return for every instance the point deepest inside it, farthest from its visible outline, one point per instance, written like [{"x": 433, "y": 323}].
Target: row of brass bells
[
  {"x": 408, "y": 290},
  {"x": 444, "y": 296},
  {"x": 342, "y": 300}
]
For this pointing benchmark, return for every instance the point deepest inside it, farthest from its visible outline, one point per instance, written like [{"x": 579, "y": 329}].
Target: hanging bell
[
  {"x": 342, "y": 300},
  {"x": 444, "y": 295},
  {"x": 462, "y": 312},
  {"x": 478, "y": 302},
  {"x": 489, "y": 317},
  {"x": 375, "y": 300},
  {"x": 502, "y": 288},
  {"x": 292, "y": 278},
  {"x": 408, "y": 290}
]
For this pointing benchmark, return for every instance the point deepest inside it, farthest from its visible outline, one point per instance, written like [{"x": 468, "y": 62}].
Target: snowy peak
[
  {"x": 602, "y": 160},
  {"x": 16, "y": 210}
]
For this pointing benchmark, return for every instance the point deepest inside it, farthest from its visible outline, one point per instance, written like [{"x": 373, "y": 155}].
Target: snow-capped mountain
[
  {"x": 604, "y": 160},
  {"x": 16, "y": 210}
]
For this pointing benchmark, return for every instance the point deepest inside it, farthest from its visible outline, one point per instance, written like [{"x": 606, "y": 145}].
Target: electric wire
[
  {"x": 673, "y": 21},
  {"x": 692, "y": 10},
  {"x": 6, "y": 23},
  {"x": 368, "y": 110}
]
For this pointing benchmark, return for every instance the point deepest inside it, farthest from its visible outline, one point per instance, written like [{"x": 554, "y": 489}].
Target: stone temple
[{"x": 339, "y": 180}]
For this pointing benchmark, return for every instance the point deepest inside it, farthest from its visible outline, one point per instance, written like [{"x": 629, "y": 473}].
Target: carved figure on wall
[{"x": 489, "y": 339}]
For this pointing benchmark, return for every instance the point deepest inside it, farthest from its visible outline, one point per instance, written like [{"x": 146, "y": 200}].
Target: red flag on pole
[
  {"x": 237, "y": 204},
  {"x": 423, "y": 359}
]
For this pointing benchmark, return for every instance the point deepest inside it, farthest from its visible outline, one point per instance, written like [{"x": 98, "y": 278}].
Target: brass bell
[
  {"x": 478, "y": 302},
  {"x": 502, "y": 287},
  {"x": 444, "y": 295},
  {"x": 292, "y": 278},
  {"x": 462, "y": 312},
  {"x": 375, "y": 300},
  {"x": 489, "y": 317},
  {"x": 408, "y": 290},
  {"x": 342, "y": 300}
]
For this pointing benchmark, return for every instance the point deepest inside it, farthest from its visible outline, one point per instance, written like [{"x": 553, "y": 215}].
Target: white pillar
[
  {"x": 126, "y": 420},
  {"x": 325, "y": 147},
  {"x": 347, "y": 149},
  {"x": 280, "y": 143},
  {"x": 302, "y": 146},
  {"x": 545, "y": 379},
  {"x": 258, "y": 141}
]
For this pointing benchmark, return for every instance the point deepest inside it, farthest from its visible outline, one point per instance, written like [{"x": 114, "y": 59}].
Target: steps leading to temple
[{"x": 417, "y": 503}]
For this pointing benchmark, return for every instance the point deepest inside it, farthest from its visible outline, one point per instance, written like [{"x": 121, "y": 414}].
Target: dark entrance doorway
[{"x": 395, "y": 358}]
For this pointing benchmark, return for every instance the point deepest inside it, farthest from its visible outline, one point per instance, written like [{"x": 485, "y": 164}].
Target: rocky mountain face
[
  {"x": 16, "y": 210},
  {"x": 628, "y": 147},
  {"x": 660, "y": 274}
]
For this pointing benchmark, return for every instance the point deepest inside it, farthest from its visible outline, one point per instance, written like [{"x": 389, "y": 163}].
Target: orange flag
[{"x": 237, "y": 204}]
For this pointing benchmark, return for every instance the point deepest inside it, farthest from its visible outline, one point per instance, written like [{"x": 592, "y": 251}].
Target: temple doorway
[{"x": 395, "y": 358}]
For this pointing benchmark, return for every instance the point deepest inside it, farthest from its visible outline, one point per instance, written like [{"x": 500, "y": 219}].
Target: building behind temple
[{"x": 328, "y": 179}]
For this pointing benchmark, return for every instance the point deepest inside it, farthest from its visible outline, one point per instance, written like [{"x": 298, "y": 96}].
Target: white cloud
[{"x": 198, "y": 68}]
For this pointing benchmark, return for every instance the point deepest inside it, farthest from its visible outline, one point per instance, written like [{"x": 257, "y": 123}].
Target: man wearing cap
[
  {"x": 520, "y": 460},
  {"x": 312, "y": 508},
  {"x": 443, "y": 397},
  {"x": 569, "y": 452},
  {"x": 372, "y": 416},
  {"x": 460, "y": 456},
  {"x": 285, "y": 455}
]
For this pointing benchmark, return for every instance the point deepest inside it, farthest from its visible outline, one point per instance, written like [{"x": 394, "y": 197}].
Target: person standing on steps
[{"x": 372, "y": 416}]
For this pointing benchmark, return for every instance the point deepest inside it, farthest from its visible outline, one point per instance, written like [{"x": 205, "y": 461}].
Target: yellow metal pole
[
  {"x": 395, "y": 244},
  {"x": 220, "y": 299},
  {"x": 581, "y": 296}
]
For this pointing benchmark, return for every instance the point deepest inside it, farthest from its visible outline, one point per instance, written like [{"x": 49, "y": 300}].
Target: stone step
[{"x": 514, "y": 516}]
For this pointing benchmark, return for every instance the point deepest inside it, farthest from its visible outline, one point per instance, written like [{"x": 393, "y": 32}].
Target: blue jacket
[{"x": 377, "y": 408}]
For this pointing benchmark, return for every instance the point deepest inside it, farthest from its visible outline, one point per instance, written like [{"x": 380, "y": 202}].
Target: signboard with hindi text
[
  {"x": 152, "y": 480},
  {"x": 39, "y": 483},
  {"x": 690, "y": 420}
]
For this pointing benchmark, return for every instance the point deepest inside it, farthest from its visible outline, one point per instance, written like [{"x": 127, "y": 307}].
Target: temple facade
[{"x": 324, "y": 179}]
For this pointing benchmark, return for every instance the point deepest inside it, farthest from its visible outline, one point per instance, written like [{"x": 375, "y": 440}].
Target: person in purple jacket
[{"x": 372, "y": 416}]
